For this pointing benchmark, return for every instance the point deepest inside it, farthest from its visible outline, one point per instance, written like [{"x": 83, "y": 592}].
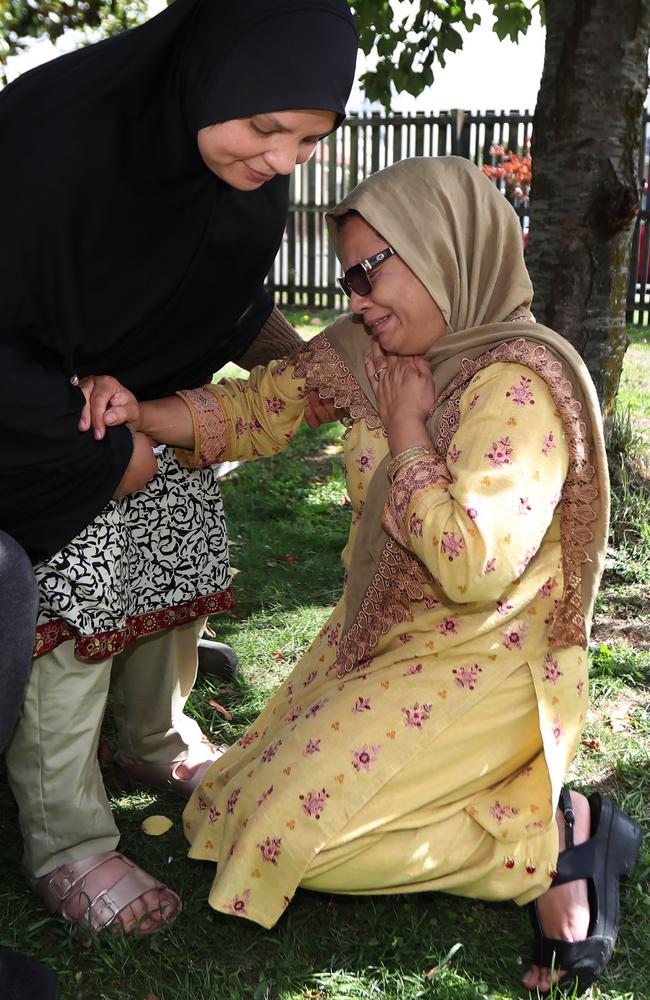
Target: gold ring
[{"x": 376, "y": 374}]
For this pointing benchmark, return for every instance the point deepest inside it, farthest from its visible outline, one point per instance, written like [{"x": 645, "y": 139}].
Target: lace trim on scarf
[
  {"x": 567, "y": 626},
  {"x": 418, "y": 475},
  {"x": 320, "y": 366},
  {"x": 209, "y": 428},
  {"x": 398, "y": 581}
]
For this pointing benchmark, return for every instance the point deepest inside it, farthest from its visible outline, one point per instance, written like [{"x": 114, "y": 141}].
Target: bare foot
[
  {"x": 150, "y": 912},
  {"x": 564, "y": 911}
]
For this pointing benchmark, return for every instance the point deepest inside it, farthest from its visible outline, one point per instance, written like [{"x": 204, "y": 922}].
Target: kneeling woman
[{"x": 422, "y": 741}]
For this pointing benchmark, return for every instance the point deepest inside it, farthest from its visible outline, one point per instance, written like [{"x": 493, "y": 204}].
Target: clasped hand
[
  {"x": 403, "y": 388},
  {"x": 107, "y": 404}
]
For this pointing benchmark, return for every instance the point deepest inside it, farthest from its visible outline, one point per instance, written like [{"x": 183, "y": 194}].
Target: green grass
[{"x": 335, "y": 948}]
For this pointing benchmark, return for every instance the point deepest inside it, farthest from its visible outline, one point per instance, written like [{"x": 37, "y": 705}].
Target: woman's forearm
[{"x": 168, "y": 421}]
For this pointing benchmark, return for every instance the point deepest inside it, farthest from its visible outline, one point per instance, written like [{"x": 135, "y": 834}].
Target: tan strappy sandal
[{"x": 65, "y": 890}]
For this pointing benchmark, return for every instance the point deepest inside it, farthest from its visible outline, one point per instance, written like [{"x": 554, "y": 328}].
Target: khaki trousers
[{"x": 52, "y": 759}]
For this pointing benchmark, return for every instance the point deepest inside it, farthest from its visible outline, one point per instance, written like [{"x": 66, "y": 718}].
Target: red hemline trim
[{"x": 105, "y": 644}]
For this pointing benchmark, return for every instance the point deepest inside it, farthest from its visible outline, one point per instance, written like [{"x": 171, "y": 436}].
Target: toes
[{"x": 531, "y": 979}]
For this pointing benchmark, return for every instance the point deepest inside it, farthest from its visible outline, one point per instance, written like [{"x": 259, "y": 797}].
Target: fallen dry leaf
[
  {"x": 155, "y": 826},
  {"x": 219, "y": 708},
  {"x": 591, "y": 744},
  {"x": 278, "y": 656}
]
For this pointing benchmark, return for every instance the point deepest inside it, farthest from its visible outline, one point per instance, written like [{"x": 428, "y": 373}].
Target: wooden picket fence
[{"x": 304, "y": 273}]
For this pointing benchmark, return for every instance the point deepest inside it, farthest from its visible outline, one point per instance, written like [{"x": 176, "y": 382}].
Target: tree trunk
[{"x": 585, "y": 197}]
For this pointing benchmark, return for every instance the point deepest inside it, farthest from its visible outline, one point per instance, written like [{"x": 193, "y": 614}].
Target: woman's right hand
[
  {"x": 142, "y": 467},
  {"x": 108, "y": 404}
]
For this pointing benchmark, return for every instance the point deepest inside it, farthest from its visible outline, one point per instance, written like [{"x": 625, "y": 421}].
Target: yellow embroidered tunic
[{"x": 434, "y": 765}]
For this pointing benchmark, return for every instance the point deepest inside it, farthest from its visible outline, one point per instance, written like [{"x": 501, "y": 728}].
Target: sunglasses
[{"x": 357, "y": 278}]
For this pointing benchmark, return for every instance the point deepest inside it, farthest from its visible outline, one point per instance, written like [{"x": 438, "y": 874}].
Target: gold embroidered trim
[
  {"x": 419, "y": 475},
  {"x": 567, "y": 627},
  {"x": 398, "y": 581},
  {"x": 323, "y": 370},
  {"x": 209, "y": 427}
]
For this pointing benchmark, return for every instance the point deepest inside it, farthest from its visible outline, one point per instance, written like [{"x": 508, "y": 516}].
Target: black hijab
[{"x": 123, "y": 254}]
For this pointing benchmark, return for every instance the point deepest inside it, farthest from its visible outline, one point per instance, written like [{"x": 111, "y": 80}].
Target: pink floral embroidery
[
  {"x": 293, "y": 714},
  {"x": 311, "y": 676},
  {"x": 524, "y": 506},
  {"x": 315, "y": 708},
  {"x": 240, "y": 426},
  {"x": 415, "y": 525},
  {"x": 365, "y": 459},
  {"x": 365, "y": 757},
  {"x": 238, "y": 905},
  {"x": 474, "y": 400},
  {"x": 232, "y": 801},
  {"x": 405, "y": 637},
  {"x": 416, "y": 715},
  {"x": 247, "y": 739},
  {"x": 552, "y": 672},
  {"x": 525, "y": 559},
  {"x": 549, "y": 618},
  {"x": 201, "y": 804},
  {"x": 580, "y": 686},
  {"x": 558, "y": 731},
  {"x": 255, "y": 425},
  {"x": 451, "y": 545},
  {"x": 549, "y": 443},
  {"x": 501, "y": 812},
  {"x": 526, "y": 772},
  {"x": 333, "y": 634},
  {"x": 361, "y": 705},
  {"x": 415, "y": 668},
  {"x": 313, "y": 803},
  {"x": 431, "y": 602},
  {"x": 522, "y": 393},
  {"x": 271, "y": 751},
  {"x": 313, "y": 746},
  {"x": 264, "y": 796},
  {"x": 449, "y": 626},
  {"x": 471, "y": 512},
  {"x": 270, "y": 849},
  {"x": 490, "y": 566},
  {"x": 274, "y": 404},
  {"x": 454, "y": 453},
  {"x": 467, "y": 677},
  {"x": 512, "y": 638},
  {"x": 504, "y": 607},
  {"x": 213, "y": 815},
  {"x": 500, "y": 454},
  {"x": 546, "y": 588}
]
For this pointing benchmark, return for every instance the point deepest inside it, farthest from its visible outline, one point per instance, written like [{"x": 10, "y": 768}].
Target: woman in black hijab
[{"x": 149, "y": 180}]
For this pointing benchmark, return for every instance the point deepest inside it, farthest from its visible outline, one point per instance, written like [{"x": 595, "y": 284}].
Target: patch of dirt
[{"x": 622, "y": 615}]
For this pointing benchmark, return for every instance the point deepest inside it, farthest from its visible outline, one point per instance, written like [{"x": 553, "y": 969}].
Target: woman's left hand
[
  {"x": 403, "y": 388},
  {"x": 108, "y": 404}
]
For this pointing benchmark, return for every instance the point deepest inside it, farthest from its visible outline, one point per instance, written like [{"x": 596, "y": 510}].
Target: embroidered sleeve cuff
[
  {"x": 209, "y": 423},
  {"x": 411, "y": 480}
]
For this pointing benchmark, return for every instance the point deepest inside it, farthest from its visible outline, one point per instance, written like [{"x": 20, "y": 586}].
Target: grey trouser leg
[
  {"x": 52, "y": 759},
  {"x": 52, "y": 762},
  {"x": 152, "y": 681},
  {"x": 18, "y": 610}
]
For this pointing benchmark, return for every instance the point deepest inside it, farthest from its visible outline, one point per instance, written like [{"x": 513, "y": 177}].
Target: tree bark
[{"x": 585, "y": 196}]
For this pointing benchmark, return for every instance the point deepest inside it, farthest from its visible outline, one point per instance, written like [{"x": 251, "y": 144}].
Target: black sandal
[{"x": 609, "y": 856}]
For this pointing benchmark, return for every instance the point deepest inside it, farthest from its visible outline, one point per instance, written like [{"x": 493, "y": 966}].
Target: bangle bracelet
[{"x": 404, "y": 457}]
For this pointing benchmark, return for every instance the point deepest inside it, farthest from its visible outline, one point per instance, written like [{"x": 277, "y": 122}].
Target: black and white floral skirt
[{"x": 149, "y": 561}]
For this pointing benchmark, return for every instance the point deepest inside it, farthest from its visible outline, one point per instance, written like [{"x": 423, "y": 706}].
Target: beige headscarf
[{"x": 458, "y": 234}]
